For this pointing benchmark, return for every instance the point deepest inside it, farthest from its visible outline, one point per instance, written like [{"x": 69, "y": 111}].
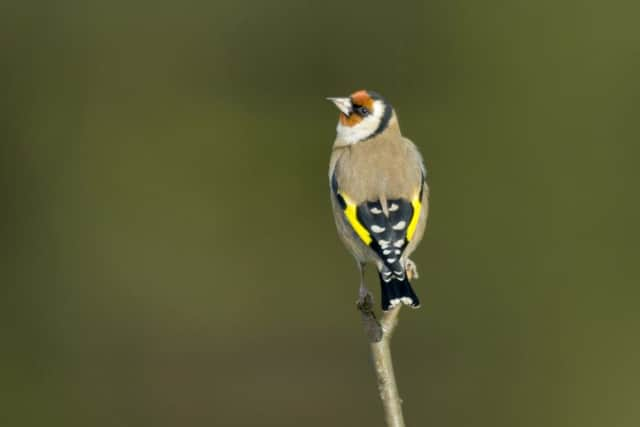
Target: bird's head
[{"x": 363, "y": 115}]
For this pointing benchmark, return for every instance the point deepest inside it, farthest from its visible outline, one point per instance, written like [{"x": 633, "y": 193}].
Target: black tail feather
[{"x": 397, "y": 291}]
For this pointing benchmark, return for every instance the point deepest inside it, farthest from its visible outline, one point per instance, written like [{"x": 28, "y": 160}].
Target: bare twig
[{"x": 379, "y": 335}]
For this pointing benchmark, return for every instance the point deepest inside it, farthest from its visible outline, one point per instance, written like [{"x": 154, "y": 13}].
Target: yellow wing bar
[
  {"x": 414, "y": 219},
  {"x": 350, "y": 213}
]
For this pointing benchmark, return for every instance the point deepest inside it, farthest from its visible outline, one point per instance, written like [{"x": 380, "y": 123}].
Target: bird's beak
[{"x": 343, "y": 104}]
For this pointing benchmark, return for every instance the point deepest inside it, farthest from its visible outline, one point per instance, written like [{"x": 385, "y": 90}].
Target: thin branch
[{"x": 379, "y": 335}]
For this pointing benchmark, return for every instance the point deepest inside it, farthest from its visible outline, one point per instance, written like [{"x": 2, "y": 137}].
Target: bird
[{"x": 379, "y": 194}]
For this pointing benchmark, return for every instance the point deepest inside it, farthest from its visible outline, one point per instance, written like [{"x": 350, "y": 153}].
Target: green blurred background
[{"x": 168, "y": 252}]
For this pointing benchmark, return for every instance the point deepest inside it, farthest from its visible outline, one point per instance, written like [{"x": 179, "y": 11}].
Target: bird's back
[{"x": 386, "y": 166}]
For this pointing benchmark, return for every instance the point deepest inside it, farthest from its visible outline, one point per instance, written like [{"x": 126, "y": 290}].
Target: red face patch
[
  {"x": 350, "y": 121},
  {"x": 362, "y": 98}
]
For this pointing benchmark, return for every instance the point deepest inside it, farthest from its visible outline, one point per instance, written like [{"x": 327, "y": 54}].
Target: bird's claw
[
  {"x": 365, "y": 301},
  {"x": 412, "y": 269}
]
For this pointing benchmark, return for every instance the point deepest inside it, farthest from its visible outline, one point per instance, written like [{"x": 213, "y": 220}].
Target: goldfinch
[{"x": 379, "y": 194}]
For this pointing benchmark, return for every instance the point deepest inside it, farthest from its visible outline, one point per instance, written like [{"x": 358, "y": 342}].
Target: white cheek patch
[{"x": 365, "y": 128}]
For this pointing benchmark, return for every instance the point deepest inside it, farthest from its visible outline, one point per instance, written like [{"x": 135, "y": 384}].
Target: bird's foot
[
  {"x": 365, "y": 301},
  {"x": 371, "y": 324},
  {"x": 412, "y": 269}
]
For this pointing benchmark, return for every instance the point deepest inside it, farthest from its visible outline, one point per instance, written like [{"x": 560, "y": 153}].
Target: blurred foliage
[{"x": 168, "y": 253}]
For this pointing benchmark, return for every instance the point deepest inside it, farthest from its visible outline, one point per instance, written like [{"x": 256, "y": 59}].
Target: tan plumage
[{"x": 379, "y": 194}]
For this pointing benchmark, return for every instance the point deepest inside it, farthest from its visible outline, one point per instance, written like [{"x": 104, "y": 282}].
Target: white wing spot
[
  {"x": 396, "y": 251},
  {"x": 375, "y": 211},
  {"x": 398, "y": 243},
  {"x": 384, "y": 244},
  {"x": 400, "y": 226},
  {"x": 391, "y": 260},
  {"x": 386, "y": 251},
  {"x": 377, "y": 229},
  {"x": 394, "y": 207}
]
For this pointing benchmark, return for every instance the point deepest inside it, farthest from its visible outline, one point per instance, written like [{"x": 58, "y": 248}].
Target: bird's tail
[{"x": 397, "y": 291}]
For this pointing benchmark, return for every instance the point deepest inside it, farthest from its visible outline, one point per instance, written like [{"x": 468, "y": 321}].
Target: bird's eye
[{"x": 362, "y": 111}]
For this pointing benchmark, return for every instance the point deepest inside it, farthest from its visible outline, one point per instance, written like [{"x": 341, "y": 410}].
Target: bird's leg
[
  {"x": 412, "y": 269},
  {"x": 365, "y": 305},
  {"x": 363, "y": 291}
]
